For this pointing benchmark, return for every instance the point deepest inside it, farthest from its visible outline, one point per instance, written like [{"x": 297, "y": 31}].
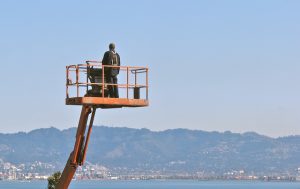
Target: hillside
[{"x": 170, "y": 150}]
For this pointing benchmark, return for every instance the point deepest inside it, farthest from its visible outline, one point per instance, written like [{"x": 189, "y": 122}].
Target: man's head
[{"x": 112, "y": 46}]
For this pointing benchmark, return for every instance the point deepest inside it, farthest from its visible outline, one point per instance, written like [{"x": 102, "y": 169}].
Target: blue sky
[{"x": 214, "y": 65}]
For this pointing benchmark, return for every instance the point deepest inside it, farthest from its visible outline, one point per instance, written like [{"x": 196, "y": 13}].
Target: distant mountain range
[{"x": 169, "y": 150}]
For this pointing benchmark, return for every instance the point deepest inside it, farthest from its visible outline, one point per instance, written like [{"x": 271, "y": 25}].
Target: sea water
[{"x": 156, "y": 184}]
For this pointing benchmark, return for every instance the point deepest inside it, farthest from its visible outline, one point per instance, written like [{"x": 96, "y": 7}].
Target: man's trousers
[{"x": 113, "y": 90}]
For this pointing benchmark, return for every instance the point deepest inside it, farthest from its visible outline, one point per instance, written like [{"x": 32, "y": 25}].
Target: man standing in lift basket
[{"x": 111, "y": 58}]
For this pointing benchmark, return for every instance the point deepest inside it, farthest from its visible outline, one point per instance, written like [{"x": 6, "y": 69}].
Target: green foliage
[{"x": 53, "y": 180}]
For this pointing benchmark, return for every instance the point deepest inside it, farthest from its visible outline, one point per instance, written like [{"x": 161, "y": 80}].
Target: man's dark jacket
[{"x": 107, "y": 60}]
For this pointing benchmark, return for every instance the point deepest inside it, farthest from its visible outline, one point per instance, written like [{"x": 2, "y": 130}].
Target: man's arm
[
  {"x": 119, "y": 59},
  {"x": 105, "y": 59}
]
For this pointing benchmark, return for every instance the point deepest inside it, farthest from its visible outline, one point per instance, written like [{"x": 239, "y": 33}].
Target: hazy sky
[{"x": 214, "y": 65}]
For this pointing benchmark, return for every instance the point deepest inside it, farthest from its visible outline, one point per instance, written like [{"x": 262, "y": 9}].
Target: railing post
[
  {"x": 147, "y": 83},
  {"x": 135, "y": 79},
  {"x": 87, "y": 76},
  {"x": 102, "y": 81},
  {"x": 67, "y": 82},
  {"x": 127, "y": 80},
  {"x": 77, "y": 79}
]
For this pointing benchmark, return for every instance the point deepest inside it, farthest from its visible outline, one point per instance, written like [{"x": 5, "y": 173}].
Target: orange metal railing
[{"x": 82, "y": 78}]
